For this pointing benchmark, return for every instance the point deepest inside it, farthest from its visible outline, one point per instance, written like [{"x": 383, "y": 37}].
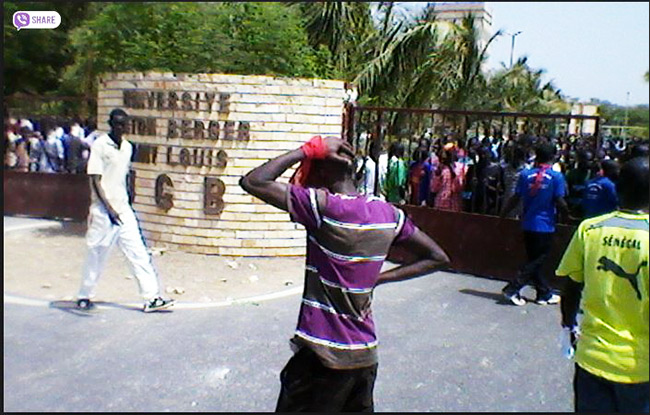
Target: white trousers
[{"x": 101, "y": 237}]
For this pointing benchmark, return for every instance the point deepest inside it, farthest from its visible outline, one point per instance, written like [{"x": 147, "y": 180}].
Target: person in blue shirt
[
  {"x": 600, "y": 192},
  {"x": 542, "y": 190},
  {"x": 419, "y": 177}
]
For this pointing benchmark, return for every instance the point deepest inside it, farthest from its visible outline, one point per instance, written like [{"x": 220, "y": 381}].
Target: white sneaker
[
  {"x": 515, "y": 298},
  {"x": 158, "y": 304},
  {"x": 549, "y": 299}
]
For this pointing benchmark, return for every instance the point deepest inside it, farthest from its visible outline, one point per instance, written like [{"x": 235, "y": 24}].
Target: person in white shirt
[
  {"x": 366, "y": 174},
  {"x": 111, "y": 219},
  {"x": 52, "y": 156}
]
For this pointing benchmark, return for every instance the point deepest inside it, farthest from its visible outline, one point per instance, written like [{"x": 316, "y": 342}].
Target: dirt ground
[{"x": 47, "y": 264}]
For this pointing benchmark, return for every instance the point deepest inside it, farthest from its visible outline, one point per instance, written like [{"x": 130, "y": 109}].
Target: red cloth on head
[{"x": 313, "y": 149}]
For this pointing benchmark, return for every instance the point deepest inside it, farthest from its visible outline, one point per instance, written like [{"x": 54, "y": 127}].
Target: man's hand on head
[{"x": 338, "y": 149}]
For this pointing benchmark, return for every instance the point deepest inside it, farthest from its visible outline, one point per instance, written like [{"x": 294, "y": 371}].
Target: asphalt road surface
[{"x": 447, "y": 343}]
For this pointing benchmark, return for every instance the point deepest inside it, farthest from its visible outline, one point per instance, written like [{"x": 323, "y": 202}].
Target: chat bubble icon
[{"x": 21, "y": 19}]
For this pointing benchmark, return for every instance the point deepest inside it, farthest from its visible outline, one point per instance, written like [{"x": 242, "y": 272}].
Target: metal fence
[{"x": 385, "y": 125}]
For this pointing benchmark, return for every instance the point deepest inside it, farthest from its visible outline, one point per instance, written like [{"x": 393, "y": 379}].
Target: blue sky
[{"x": 588, "y": 49}]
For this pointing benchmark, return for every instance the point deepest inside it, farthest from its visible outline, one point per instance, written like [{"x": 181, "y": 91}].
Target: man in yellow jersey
[{"x": 607, "y": 265}]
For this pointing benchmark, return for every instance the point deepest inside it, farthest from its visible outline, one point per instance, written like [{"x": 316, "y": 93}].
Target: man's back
[
  {"x": 75, "y": 158},
  {"x": 600, "y": 197},
  {"x": 349, "y": 236},
  {"x": 539, "y": 205},
  {"x": 348, "y": 240},
  {"x": 609, "y": 254}
]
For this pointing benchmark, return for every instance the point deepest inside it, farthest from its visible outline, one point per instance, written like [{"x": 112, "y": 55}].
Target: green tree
[
  {"x": 423, "y": 62},
  {"x": 520, "y": 89},
  {"x": 241, "y": 38},
  {"x": 268, "y": 38},
  {"x": 34, "y": 59},
  {"x": 341, "y": 27}
]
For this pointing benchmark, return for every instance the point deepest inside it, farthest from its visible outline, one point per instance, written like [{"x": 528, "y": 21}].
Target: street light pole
[
  {"x": 512, "y": 47},
  {"x": 627, "y": 104}
]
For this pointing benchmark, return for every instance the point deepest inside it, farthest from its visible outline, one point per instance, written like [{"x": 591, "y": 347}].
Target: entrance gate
[{"x": 477, "y": 244}]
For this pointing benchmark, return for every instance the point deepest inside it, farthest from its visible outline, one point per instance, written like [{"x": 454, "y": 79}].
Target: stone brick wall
[{"x": 221, "y": 127}]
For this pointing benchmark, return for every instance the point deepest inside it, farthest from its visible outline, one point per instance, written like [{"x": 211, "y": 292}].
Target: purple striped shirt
[{"x": 348, "y": 241}]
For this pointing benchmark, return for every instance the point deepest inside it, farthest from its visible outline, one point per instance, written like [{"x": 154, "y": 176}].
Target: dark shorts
[
  {"x": 595, "y": 394},
  {"x": 309, "y": 386}
]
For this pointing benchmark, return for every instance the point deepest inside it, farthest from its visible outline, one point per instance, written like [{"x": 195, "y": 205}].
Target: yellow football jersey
[{"x": 609, "y": 254}]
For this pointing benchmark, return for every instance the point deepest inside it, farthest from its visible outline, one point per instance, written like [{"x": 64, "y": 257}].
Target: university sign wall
[{"x": 196, "y": 134}]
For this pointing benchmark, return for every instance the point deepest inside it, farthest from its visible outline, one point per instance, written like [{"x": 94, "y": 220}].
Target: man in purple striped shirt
[{"x": 349, "y": 236}]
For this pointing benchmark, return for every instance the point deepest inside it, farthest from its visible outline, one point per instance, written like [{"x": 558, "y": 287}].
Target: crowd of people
[
  {"x": 47, "y": 146},
  {"x": 480, "y": 175}
]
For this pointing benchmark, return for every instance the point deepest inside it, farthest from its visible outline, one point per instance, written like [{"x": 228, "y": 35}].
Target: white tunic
[{"x": 113, "y": 165}]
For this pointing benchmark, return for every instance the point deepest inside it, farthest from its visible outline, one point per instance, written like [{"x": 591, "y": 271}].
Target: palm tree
[
  {"x": 425, "y": 62},
  {"x": 341, "y": 27},
  {"x": 520, "y": 89}
]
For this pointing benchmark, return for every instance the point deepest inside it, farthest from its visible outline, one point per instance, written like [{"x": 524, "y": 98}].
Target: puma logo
[{"x": 607, "y": 264}]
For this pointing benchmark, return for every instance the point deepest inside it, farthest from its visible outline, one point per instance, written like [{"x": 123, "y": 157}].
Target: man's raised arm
[{"x": 261, "y": 181}]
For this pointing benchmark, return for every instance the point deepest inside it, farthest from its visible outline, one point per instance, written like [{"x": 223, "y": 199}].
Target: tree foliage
[
  {"x": 340, "y": 27},
  {"x": 240, "y": 38},
  {"x": 35, "y": 59},
  {"x": 426, "y": 62},
  {"x": 520, "y": 89}
]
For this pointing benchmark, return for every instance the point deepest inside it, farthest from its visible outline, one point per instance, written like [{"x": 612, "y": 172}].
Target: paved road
[
  {"x": 18, "y": 223},
  {"x": 447, "y": 343}
]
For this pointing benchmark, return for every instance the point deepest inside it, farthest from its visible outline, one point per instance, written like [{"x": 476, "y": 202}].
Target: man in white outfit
[{"x": 112, "y": 219}]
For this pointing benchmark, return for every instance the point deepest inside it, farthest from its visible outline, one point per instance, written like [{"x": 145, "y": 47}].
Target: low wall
[
  {"x": 482, "y": 245},
  {"x": 44, "y": 195}
]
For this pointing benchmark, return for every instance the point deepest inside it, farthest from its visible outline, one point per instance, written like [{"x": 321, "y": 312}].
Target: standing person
[
  {"x": 111, "y": 219},
  {"x": 576, "y": 180},
  {"x": 483, "y": 157},
  {"x": 22, "y": 149},
  {"x": 52, "y": 155},
  {"x": 490, "y": 181},
  {"x": 35, "y": 151},
  {"x": 11, "y": 159},
  {"x": 448, "y": 181},
  {"x": 396, "y": 174},
  {"x": 366, "y": 173},
  {"x": 90, "y": 135},
  {"x": 600, "y": 192},
  {"x": 76, "y": 163},
  {"x": 335, "y": 361},
  {"x": 419, "y": 177},
  {"x": 470, "y": 161},
  {"x": 63, "y": 134},
  {"x": 607, "y": 265},
  {"x": 515, "y": 158},
  {"x": 542, "y": 190}
]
